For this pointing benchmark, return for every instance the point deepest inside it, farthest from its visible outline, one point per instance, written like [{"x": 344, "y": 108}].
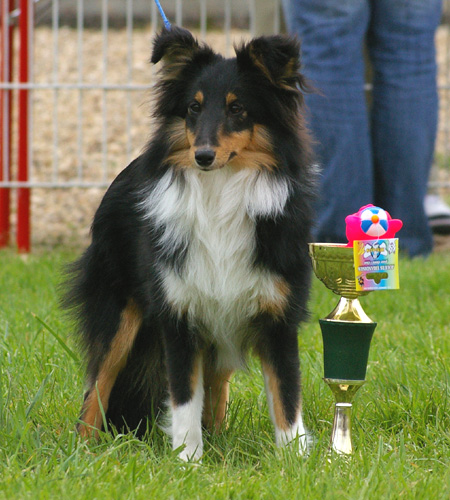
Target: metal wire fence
[{"x": 75, "y": 88}]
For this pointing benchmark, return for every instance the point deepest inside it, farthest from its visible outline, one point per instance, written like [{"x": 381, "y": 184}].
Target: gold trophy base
[{"x": 344, "y": 392}]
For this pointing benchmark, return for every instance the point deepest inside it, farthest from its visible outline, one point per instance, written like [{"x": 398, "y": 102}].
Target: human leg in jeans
[
  {"x": 405, "y": 111},
  {"x": 332, "y": 34},
  {"x": 360, "y": 167}
]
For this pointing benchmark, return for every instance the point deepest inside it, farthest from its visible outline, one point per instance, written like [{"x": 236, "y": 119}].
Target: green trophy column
[{"x": 346, "y": 348}]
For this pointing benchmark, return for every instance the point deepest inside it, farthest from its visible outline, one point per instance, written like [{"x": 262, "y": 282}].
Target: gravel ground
[{"x": 61, "y": 217}]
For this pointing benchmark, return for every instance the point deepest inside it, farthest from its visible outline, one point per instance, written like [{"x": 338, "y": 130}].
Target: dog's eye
[
  {"x": 236, "y": 108},
  {"x": 194, "y": 108}
]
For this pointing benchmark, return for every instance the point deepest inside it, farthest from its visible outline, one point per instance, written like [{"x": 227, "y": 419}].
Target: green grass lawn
[{"x": 401, "y": 424}]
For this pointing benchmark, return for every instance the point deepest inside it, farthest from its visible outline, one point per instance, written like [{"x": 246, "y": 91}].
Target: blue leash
[{"x": 167, "y": 24}]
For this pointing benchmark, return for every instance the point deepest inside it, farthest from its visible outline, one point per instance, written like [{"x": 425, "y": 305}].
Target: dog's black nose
[{"x": 204, "y": 157}]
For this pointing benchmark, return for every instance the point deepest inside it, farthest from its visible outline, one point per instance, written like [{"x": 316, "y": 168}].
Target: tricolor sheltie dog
[{"x": 199, "y": 248}]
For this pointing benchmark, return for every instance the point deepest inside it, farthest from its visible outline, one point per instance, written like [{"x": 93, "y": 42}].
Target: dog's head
[{"x": 219, "y": 111}]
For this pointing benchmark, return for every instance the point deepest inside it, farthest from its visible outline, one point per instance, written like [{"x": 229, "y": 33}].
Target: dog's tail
[
  {"x": 140, "y": 392},
  {"x": 123, "y": 349}
]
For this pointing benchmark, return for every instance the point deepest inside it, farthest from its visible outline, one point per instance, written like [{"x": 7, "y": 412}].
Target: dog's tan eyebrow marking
[
  {"x": 230, "y": 98},
  {"x": 199, "y": 97}
]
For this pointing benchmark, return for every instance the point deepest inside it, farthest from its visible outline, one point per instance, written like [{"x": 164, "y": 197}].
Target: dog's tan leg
[
  {"x": 217, "y": 389},
  {"x": 113, "y": 363}
]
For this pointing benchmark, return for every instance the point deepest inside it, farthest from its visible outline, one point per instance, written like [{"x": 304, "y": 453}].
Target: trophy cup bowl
[
  {"x": 347, "y": 332},
  {"x": 333, "y": 265}
]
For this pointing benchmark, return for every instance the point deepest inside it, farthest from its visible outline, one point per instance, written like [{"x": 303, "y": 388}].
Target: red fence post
[
  {"x": 23, "y": 193},
  {"x": 6, "y": 71}
]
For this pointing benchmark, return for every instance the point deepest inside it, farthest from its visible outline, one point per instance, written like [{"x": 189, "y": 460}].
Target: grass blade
[
  {"x": 38, "y": 395},
  {"x": 61, "y": 342}
]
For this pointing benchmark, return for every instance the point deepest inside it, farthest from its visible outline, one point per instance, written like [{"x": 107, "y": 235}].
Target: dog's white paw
[
  {"x": 189, "y": 443},
  {"x": 296, "y": 436},
  {"x": 191, "y": 455}
]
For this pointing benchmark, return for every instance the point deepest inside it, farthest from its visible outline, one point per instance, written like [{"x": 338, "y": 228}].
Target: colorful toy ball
[
  {"x": 374, "y": 221},
  {"x": 371, "y": 223}
]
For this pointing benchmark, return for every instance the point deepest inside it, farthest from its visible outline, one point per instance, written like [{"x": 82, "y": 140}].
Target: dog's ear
[
  {"x": 176, "y": 48},
  {"x": 277, "y": 58},
  {"x": 173, "y": 45}
]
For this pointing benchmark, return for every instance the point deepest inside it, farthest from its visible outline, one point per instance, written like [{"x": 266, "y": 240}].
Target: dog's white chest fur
[{"x": 212, "y": 215}]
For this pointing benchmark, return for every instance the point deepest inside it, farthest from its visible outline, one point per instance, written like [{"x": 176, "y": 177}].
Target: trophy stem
[{"x": 341, "y": 434}]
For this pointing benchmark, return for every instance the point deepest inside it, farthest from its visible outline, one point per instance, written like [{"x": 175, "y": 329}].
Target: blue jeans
[{"x": 382, "y": 153}]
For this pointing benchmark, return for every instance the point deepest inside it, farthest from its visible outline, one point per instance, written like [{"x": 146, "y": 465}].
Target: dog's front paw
[
  {"x": 190, "y": 445},
  {"x": 296, "y": 436},
  {"x": 190, "y": 454},
  {"x": 190, "y": 451}
]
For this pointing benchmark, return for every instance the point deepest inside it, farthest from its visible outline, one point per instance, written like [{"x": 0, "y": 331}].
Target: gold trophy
[{"x": 347, "y": 332}]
